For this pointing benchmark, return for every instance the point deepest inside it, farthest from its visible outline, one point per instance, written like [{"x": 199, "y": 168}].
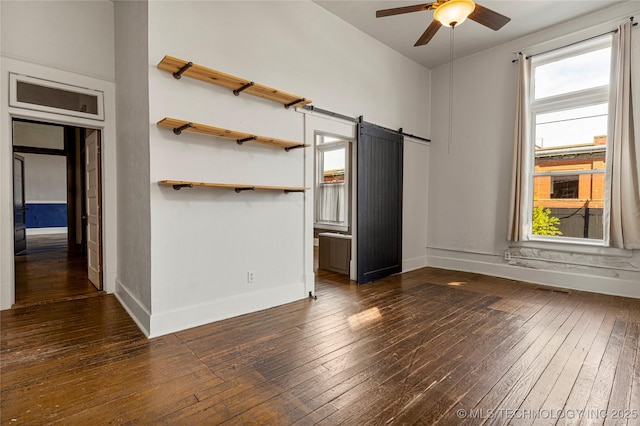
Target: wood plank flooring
[
  {"x": 46, "y": 272},
  {"x": 426, "y": 347}
]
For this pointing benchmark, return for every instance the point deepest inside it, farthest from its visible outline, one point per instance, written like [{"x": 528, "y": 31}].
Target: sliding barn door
[{"x": 379, "y": 204}]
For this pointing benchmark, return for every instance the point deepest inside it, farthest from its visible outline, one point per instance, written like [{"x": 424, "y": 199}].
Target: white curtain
[
  {"x": 522, "y": 132},
  {"x": 330, "y": 206},
  {"x": 622, "y": 174}
]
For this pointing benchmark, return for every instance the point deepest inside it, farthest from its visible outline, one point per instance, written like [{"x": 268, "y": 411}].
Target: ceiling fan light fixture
[{"x": 454, "y": 12}]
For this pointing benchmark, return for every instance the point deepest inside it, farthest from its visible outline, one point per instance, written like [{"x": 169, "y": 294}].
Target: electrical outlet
[
  {"x": 507, "y": 256},
  {"x": 251, "y": 277}
]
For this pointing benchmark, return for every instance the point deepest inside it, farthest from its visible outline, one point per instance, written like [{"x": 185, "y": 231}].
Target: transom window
[{"x": 569, "y": 108}]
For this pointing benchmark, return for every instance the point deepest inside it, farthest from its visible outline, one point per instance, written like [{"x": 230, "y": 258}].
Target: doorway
[
  {"x": 58, "y": 239},
  {"x": 332, "y": 204}
]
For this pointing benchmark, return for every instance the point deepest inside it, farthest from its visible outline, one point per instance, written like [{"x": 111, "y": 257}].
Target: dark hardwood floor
[
  {"x": 429, "y": 346},
  {"x": 46, "y": 272}
]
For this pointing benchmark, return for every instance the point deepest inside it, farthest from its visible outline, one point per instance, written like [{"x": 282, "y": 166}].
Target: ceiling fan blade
[
  {"x": 488, "y": 18},
  {"x": 404, "y": 9},
  {"x": 429, "y": 33}
]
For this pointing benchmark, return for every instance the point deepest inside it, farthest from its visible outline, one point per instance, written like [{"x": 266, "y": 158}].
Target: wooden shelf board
[
  {"x": 230, "y": 185},
  {"x": 174, "y": 123},
  {"x": 172, "y": 65}
]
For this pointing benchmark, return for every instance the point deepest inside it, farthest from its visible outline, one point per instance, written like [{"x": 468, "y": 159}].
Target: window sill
[
  {"x": 569, "y": 246},
  {"x": 329, "y": 227}
]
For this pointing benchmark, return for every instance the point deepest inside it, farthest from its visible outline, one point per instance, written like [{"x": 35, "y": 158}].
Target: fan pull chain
[{"x": 453, "y": 27}]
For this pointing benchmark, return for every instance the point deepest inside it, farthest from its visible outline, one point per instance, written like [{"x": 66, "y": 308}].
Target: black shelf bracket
[
  {"x": 245, "y": 87},
  {"x": 245, "y": 188},
  {"x": 288, "y": 191},
  {"x": 182, "y": 185},
  {"x": 178, "y": 130},
  {"x": 289, "y": 148},
  {"x": 297, "y": 101},
  {"x": 241, "y": 141},
  {"x": 178, "y": 75},
  {"x": 311, "y": 296}
]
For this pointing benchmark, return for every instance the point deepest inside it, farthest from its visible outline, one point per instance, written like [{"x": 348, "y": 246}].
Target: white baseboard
[
  {"x": 193, "y": 316},
  {"x": 46, "y": 231},
  {"x": 134, "y": 308},
  {"x": 488, "y": 265},
  {"x": 414, "y": 263}
]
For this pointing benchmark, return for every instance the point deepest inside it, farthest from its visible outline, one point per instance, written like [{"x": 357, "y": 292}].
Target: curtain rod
[{"x": 633, "y": 24}]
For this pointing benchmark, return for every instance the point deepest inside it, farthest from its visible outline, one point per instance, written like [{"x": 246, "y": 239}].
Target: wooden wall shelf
[
  {"x": 180, "y": 67},
  {"x": 179, "y": 126},
  {"x": 178, "y": 184}
]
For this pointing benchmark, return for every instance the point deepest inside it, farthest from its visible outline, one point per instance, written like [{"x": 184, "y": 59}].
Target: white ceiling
[{"x": 400, "y": 32}]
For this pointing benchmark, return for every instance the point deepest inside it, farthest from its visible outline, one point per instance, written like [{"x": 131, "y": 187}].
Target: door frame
[
  {"x": 76, "y": 135},
  {"x": 71, "y": 134},
  {"x": 313, "y": 124},
  {"x": 109, "y": 169}
]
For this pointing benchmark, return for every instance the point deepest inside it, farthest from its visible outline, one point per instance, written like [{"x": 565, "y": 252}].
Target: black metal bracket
[
  {"x": 246, "y": 188},
  {"x": 245, "y": 87},
  {"x": 178, "y": 75},
  {"x": 241, "y": 141},
  {"x": 290, "y": 104},
  {"x": 182, "y": 185},
  {"x": 311, "y": 296},
  {"x": 289, "y": 148},
  {"x": 287, "y": 191},
  {"x": 178, "y": 130}
]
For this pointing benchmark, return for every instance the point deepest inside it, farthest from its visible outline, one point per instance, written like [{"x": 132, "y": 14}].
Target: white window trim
[
  {"x": 330, "y": 146},
  {"x": 577, "y": 99}
]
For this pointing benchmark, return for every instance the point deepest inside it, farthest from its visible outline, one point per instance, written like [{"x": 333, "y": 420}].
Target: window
[
  {"x": 565, "y": 186},
  {"x": 332, "y": 182},
  {"x": 569, "y": 111},
  {"x": 49, "y": 96}
]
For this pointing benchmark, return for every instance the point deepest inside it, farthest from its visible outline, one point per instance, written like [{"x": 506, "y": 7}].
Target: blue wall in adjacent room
[{"x": 41, "y": 215}]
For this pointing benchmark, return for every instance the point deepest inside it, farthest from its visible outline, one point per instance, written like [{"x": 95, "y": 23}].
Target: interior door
[
  {"x": 379, "y": 203},
  {"x": 93, "y": 206},
  {"x": 19, "y": 208}
]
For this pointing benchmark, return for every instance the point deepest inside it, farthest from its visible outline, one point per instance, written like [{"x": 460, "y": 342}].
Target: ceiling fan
[{"x": 450, "y": 13}]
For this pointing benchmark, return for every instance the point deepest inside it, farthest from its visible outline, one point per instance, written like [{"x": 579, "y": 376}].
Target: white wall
[
  {"x": 469, "y": 180},
  {"x": 45, "y": 182},
  {"x": 45, "y": 178},
  {"x": 68, "y": 42},
  {"x": 38, "y": 135},
  {"x": 205, "y": 241},
  {"x": 415, "y": 200},
  {"x": 52, "y": 33},
  {"x": 134, "y": 229}
]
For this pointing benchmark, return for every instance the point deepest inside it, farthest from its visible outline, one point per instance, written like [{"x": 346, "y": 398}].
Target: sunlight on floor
[{"x": 363, "y": 318}]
